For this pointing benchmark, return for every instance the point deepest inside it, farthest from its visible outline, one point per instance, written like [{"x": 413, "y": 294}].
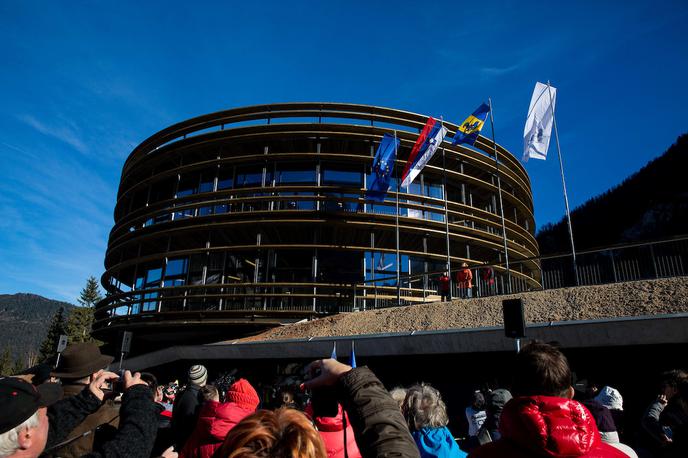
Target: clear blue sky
[{"x": 81, "y": 83}]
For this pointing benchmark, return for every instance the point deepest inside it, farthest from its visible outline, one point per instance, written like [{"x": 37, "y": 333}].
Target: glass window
[
  {"x": 249, "y": 177},
  {"x": 176, "y": 267},
  {"x": 433, "y": 189},
  {"x": 295, "y": 176},
  {"x": 337, "y": 176},
  {"x": 225, "y": 178},
  {"x": 207, "y": 181},
  {"x": 188, "y": 184}
]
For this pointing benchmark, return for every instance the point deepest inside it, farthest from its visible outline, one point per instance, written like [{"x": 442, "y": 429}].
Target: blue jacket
[{"x": 437, "y": 442}]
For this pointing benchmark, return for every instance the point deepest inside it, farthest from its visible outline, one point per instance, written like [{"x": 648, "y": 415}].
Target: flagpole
[
  {"x": 501, "y": 203},
  {"x": 563, "y": 184},
  {"x": 446, "y": 222},
  {"x": 396, "y": 173}
]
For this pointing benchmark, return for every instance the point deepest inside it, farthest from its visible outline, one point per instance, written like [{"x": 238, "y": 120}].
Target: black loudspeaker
[{"x": 514, "y": 320}]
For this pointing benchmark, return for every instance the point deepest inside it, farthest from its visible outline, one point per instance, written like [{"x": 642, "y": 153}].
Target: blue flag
[
  {"x": 383, "y": 165},
  {"x": 468, "y": 131},
  {"x": 352, "y": 359}
]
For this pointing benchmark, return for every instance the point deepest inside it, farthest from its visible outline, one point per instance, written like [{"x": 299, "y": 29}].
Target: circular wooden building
[{"x": 236, "y": 221}]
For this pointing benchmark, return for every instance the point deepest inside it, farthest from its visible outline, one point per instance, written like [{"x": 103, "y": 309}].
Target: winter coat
[
  {"x": 437, "y": 442},
  {"x": 378, "y": 425},
  {"x": 215, "y": 420},
  {"x": 187, "y": 406},
  {"x": 547, "y": 426},
  {"x": 464, "y": 278},
  {"x": 331, "y": 430},
  {"x": 137, "y": 424},
  {"x": 81, "y": 440}
]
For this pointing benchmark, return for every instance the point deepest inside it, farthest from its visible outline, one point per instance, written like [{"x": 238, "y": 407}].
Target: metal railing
[{"x": 622, "y": 263}]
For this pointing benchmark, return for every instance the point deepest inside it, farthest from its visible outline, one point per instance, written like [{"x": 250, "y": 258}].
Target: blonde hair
[
  {"x": 423, "y": 407},
  {"x": 283, "y": 433}
]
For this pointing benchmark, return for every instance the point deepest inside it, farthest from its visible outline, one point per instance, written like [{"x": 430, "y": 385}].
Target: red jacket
[
  {"x": 545, "y": 426},
  {"x": 216, "y": 420},
  {"x": 331, "y": 429}
]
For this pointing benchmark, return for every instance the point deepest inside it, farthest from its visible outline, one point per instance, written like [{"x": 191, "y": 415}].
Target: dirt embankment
[{"x": 651, "y": 297}]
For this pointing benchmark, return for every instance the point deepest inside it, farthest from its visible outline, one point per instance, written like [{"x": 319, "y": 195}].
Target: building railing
[{"x": 630, "y": 262}]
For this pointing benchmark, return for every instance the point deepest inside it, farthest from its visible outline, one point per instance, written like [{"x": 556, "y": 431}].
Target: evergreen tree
[
  {"x": 6, "y": 362},
  {"x": 90, "y": 295},
  {"x": 56, "y": 329},
  {"x": 81, "y": 318}
]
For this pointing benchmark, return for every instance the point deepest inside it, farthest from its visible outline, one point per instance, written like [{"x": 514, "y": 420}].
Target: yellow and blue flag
[{"x": 468, "y": 131}]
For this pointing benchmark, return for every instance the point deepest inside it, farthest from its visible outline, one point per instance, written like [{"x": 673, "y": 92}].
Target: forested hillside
[
  {"x": 648, "y": 205},
  {"x": 24, "y": 321}
]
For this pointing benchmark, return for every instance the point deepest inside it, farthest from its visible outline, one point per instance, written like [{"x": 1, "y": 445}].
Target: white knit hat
[
  {"x": 198, "y": 375},
  {"x": 610, "y": 398}
]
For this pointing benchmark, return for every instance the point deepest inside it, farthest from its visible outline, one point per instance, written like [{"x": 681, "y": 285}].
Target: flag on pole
[
  {"x": 471, "y": 127},
  {"x": 334, "y": 351},
  {"x": 538, "y": 129},
  {"x": 428, "y": 141},
  {"x": 352, "y": 358},
  {"x": 383, "y": 164}
]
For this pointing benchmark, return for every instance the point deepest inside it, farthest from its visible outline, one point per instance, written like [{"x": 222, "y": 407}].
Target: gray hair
[
  {"x": 399, "y": 395},
  {"x": 423, "y": 407},
  {"x": 9, "y": 441}
]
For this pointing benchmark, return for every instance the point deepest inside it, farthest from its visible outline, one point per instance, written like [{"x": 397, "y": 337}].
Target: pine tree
[
  {"x": 81, "y": 318},
  {"x": 6, "y": 362},
  {"x": 90, "y": 295},
  {"x": 56, "y": 329}
]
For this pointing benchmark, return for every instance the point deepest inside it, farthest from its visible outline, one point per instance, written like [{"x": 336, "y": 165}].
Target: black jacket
[
  {"x": 185, "y": 412},
  {"x": 378, "y": 425},
  {"x": 137, "y": 425}
]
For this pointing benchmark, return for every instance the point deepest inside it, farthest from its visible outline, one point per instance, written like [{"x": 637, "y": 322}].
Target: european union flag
[
  {"x": 383, "y": 165},
  {"x": 468, "y": 131}
]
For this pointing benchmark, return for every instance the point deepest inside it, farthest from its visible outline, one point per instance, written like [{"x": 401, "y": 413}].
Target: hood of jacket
[
  {"x": 549, "y": 426},
  {"x": 216, "y": 420},
  {"x": 436, "y": 442}
]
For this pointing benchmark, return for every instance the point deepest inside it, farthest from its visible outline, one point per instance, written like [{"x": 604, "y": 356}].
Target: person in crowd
[
  {"x": 187, "y": 405},
  {"x": 217, "y": 419},
  {"x": 279, "y": 433},
  {"x": 399, "y": 395},
  {"x": 337, "y": 434},
  {"x": 34, "y": 419},
  {"x": 611, "y": 399},
  {"x": 286, "y": 398},
  {"x": 464, "y": 281},
  {"x": 543, "y": 419},
  {"x": 475, "y": 416},
  {"x": 488, "y": 277},
  {"x": 426, "y": 417},
  {"x": 77, "y": 365},
  {"x": 654, "y": 436},
  {"x": 495, "y": 402},
  {"x": 444, "y": 286},
  {"x": 379, "y": 427},
  {"x": 163, "y": 437},
  {"x": 674, "y": 418},
  {"x": 606, "y": 426}
]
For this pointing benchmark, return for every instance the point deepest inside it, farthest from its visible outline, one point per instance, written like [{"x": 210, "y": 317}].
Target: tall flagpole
[
  {"x": 563, "y": 184},
  {"x": 446, "y": 222},
  {"x": 396, "y": 173},
  {"x": 501, "y": 204}
]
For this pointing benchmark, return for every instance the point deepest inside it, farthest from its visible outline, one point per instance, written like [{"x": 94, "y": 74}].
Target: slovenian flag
[
  {"x": 428, "y": 141},
  {"x": 470, "y": 129}
]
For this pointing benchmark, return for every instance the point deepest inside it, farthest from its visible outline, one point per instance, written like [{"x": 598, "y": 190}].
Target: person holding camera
[
  {"x": 34, "y": 419},
  {"x": 78, "y": 364}
]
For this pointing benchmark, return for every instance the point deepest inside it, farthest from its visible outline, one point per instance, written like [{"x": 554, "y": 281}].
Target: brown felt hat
[{"x": 80, "y": 360}]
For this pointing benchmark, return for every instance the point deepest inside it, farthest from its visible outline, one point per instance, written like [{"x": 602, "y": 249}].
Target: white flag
[{"x": 538, "y": 128}]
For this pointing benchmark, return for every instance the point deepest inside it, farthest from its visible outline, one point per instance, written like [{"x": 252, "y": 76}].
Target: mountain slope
[
  {"x": 24, "y": 320},
  {"x": 650, "y": 204}
]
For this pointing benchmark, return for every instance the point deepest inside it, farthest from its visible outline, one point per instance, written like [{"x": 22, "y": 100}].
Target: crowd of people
[{"x": 81, "y": 409}]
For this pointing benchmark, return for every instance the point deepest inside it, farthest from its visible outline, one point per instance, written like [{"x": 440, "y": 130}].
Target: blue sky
[{"x": 81, "y": 83}]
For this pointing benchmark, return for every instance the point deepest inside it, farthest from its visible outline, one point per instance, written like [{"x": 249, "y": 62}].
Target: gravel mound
[{"x": 638, "y": 298}]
